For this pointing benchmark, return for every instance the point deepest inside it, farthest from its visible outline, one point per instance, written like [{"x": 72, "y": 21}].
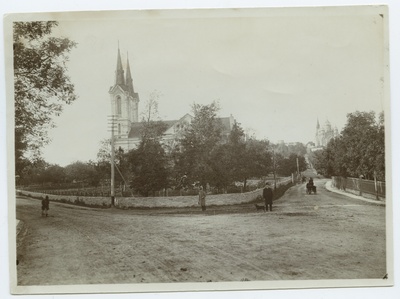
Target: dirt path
[{"x": 323, "y": 236}]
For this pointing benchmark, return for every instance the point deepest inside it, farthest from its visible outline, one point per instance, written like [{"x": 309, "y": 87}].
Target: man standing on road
[
  {"x": 202, "y": 198},
  {"x": 268, "y": 196},
  {"x": 45, "y": 206}
]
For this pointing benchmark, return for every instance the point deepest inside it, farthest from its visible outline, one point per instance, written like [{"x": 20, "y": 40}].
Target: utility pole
[{"x": 112, "y": 162}]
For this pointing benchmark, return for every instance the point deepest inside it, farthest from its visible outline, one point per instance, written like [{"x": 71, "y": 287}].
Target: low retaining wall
[
  {"x": 149, "y": 202},
  {"x": 159, "y": 202},
  {"x": 99, "y": 202}
]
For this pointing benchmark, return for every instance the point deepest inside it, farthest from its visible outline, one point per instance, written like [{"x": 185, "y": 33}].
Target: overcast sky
[{"x": 275, "y": 73}]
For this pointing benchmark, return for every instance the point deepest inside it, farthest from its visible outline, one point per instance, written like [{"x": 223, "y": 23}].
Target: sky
[{"x": 276, "y": 73}]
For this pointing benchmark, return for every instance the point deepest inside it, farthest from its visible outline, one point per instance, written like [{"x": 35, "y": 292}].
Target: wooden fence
[{"x": 360, "y": 186}]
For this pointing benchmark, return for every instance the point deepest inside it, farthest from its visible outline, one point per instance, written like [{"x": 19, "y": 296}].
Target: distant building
[
  {"x": 324, "y": 134},
  {"x": 124, "y": 108}
]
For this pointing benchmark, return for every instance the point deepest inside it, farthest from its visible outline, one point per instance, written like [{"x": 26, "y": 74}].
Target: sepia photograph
[{"x": 199, "y": 149}]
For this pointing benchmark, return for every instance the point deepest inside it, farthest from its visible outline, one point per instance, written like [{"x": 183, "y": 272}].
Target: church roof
[{"x": 137, "y": 127}]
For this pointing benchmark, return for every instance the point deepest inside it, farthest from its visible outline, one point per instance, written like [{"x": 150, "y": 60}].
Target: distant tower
[{"x": 124, "y": 100}]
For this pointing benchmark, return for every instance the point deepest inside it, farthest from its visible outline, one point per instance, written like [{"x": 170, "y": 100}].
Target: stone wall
[{"x": 149, "y": 202}]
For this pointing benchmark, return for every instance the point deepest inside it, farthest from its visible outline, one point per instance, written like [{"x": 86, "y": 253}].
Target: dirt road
[{"x": 323, "y": 236}]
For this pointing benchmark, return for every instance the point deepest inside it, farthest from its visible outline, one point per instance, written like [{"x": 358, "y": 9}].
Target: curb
[{"x": 328, "y": 186}]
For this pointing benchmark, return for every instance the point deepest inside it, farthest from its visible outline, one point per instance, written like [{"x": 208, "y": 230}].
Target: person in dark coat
[
  {"x": 45, "y": 206},
  {"x": 268, "y": 197},
  {"x": 202, "y": 198}
]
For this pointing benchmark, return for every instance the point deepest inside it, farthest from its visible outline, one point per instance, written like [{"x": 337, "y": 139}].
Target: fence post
[{"x": 359, "y": 184}]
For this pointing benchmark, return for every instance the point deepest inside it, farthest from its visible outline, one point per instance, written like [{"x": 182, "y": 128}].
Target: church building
[
  {"x": 324, "y": 134},
  {"x": 125, "y": 114}
]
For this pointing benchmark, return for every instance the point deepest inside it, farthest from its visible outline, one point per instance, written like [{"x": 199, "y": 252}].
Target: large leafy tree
[
  {"x": 364, "y": 138},
  {"x": 288, "y": 165},
  {"x": 199, "y": 143},
  {"x": 359, "y": 150},
  {"x": 82, "y": 172},
  {"x": 41, "y": 83},
  {"x": 149, "y": 167},
  {"x": 258, "y": 159},
  {"x": 148, "y": 164}
]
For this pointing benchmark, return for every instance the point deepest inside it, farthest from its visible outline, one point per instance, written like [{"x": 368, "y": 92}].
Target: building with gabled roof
[{"x": 124, "y": 110}]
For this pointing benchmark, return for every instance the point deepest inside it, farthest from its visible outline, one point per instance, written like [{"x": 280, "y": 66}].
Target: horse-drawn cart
[{"x": 310, "y": 188}]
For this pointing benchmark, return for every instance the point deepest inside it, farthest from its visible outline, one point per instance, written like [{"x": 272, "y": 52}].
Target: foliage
[
  {"x": 80, "y": 172},
  {"x": 41, "y": 84},
  {"x": 148, "y": 165},
  {"x": 103, "y": 163},
  {"x": 359, "y": 150},
  {"x": 41, "y": 172},
  {"x": 152, "y": 127},
  {"x": 298, "y": 148},
  {"x": 257, "y": 159},
  {"x": 287, "y": 166},
  {"x": 199, "y": 144}
]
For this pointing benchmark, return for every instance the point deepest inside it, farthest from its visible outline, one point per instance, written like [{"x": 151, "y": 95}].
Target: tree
[
  {"x": 228, "y": 160},
  {"x": 32, "y": 173},
  {"x": 149, "y": 163},
  {"x": 198, "y": 144},
  {"x": 54, "y": 174},
  {"x": 148, "y": 166},
  {"x": 365, "y": 141},
  {"x": 359, "y": 150},
  {"x": 287, "y": 166},
  {"x": 81, "y": 172},
  {"x": 41, "y": 84},
  {"x": 236, "y": 153},
  {"x": 257, "y": 160},
  {"x": 104, "y": 159},
  {"x": 153, "y": 127},
  {"x": 103, "y": 163}
]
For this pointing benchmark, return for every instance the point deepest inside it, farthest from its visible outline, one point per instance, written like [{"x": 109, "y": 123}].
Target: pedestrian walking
[
  {"x": 268, "y": 197},
  {"x": 202, "y": 198},
  {"x": 45, "y": 206}
]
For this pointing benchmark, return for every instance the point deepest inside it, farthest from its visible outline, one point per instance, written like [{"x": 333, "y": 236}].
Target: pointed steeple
[
  {"x": 119, "y": 73},
  {"x": 318, "y": 126},
  {"x": 129, "y": 81}
]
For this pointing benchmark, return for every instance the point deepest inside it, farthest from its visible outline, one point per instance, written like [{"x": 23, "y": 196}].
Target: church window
[
  {"x": 118, "y": 105},
  {"x": 119, "y": 129}
]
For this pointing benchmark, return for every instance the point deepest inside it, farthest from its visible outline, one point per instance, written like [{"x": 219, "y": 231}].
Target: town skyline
[{"x": 275, "y": 76}]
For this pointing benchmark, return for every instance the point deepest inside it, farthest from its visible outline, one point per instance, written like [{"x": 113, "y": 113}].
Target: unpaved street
[{"x": 323, "y": 236}]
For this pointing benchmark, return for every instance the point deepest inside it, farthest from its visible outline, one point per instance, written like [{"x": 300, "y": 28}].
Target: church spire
[
  {"x": 119, "y": 73},
  {"x": 318, "y": 126},
  {"x": 129, "y": 81}
]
